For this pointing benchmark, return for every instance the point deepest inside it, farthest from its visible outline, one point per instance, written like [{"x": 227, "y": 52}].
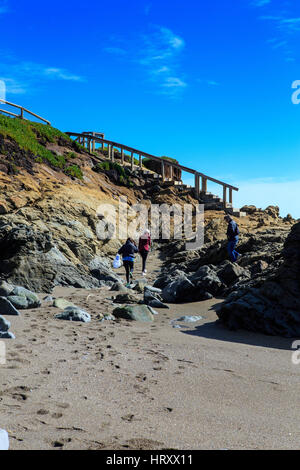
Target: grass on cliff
[
  {"x": 109, "y": 165},
  {"x": 30, "y": 136}
]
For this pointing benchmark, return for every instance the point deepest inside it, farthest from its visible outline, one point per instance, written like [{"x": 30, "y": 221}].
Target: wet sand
[{"x": 130, "y": 385}]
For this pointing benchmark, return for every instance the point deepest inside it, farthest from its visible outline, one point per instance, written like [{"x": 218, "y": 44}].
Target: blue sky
[{"x": 208, "y": 83}]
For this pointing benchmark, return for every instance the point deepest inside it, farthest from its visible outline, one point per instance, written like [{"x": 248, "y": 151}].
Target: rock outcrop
[
  {"x": 30, "y": 258},
  {"x": 196, "y": 275},
  {"x": 270, "y": 304}
]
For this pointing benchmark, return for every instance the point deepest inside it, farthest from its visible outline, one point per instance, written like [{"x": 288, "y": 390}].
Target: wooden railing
[
  {"x": 22, "y": 111},
  {"x": 90, "y": 139}
]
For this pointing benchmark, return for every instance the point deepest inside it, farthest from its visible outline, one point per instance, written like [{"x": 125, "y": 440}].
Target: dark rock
[
  {"x": 7, "y": 335},
  {"x": 230, "y": 273},
  {"x": 165, "y": 278},
  {"x": 102, "y": 273},
  {"x": 207, "y": 280},
  {"x": 134, "y": 312},
  {"x": 270, "y": 304},
  {"x": 29, "y": 258},
  {"x": 126, "y": 299},
  {"x": 4, "y": 324},
  {"x": 7, "y": 308},
  {"x": 18, "y": 301}
]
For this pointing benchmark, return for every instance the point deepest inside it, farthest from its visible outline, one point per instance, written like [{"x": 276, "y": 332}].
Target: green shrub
[
  {"x": 28, "y": 134},
  {"x": 74, "y": 171},
  {"x": 70, "y": 155},
  {"x": 122, "y": 172}
]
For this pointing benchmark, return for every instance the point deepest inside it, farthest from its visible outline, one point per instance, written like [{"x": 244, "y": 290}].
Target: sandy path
[{"x": 130, "y": 385}]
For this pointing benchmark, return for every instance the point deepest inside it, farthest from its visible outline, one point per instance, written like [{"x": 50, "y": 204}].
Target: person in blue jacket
[
  {"x": 128, "y": 251},
  {"x": 233, "y": 238}
]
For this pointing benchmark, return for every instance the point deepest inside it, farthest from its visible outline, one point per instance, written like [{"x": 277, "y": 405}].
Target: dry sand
[{"x": 130, "y": 385}]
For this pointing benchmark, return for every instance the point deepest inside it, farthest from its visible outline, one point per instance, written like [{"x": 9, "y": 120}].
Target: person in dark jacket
[
  {"x": 144, "y": 248},
  {"x": 128, "y": 251},
  {"x": 233, "y": 238}
]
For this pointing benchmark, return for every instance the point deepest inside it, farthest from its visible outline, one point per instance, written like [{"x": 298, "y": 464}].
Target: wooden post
[
  {"x": 163, "y": 170},
  {"x": 108, "y": 151},
  {"x": 102, "y": 145},
  {"x": 197, "y": 185},
  {"x": 171, "y": 172},
  {"x": 94, "y": 143},
  {"x": 204, "y": 184},
  {"x": 224, "y": 196},
  {"x": 122, "y": 156},
  {"x": 132, "y": 160},
  {"x": 112, "y": 153},
  {"x": 90, "y": 145},
  {"x": 22, "y": 113},
  {"x": 140, "y": 161},
  {"x": 230, "y": 195}
]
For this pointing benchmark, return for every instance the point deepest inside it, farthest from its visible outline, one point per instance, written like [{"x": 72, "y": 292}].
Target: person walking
[
  {"x": 128, "y": 251},
  {"x": 233, "y": 238},
  {"x": 144, "y": 248}
]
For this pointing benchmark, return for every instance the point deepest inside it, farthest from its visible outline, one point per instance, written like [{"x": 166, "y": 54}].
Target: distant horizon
[{"x": 213, "y": 85}]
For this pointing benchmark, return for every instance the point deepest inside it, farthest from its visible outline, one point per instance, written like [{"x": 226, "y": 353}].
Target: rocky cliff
[{"x": 50, "y": 192}]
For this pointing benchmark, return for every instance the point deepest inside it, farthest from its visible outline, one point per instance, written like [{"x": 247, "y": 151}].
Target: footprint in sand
[
  {"x": 56, "y": 415},
  {"x": 61, "y": 442}
]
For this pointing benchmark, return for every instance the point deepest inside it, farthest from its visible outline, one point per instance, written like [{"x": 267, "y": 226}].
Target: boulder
[
  {"x": 7, "y": 335},
  {"x": 74, "y": 313},
  {"x": 30, "y": 258},
  {"x": 62, "y": 303},
  {"x": 18, "y": 301},
  {"x": 102, "y": 273},
  {"x": 107, "y": 317},
  {"x": 4, "y": 324},
  {"x": 5, "y": 289},
  {"x": 140, "y": 313},
  {"x": 206, "y": 279},
  {"x": 4, "y": 327},
  {"x": 153, "y": 298},
  {"x": 126, "y": 299},
  {"x": 118, "y": 287},
  {"x": 7, "y": 308},
  {"x": 166, "y": 278},
  {"x": 177, "y": 291},
  {"x": 230, "y": 273},
  {"x": 32, "y": 299}
]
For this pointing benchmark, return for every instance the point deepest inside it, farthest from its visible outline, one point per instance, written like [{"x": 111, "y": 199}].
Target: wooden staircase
[
  {"x": 210, "y": 201},
  {"x": 90, "y": 140},
  {"x": 116, "y": 150}
]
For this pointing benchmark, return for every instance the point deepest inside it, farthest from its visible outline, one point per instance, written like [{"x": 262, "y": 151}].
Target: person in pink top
[{"x": 144, "y": 248}]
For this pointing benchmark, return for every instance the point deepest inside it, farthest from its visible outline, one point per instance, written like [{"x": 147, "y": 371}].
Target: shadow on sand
[{"x": 217, "y": 331}]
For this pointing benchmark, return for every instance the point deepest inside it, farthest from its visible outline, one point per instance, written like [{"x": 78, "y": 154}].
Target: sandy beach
[{"x": 132, "y": 385}]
